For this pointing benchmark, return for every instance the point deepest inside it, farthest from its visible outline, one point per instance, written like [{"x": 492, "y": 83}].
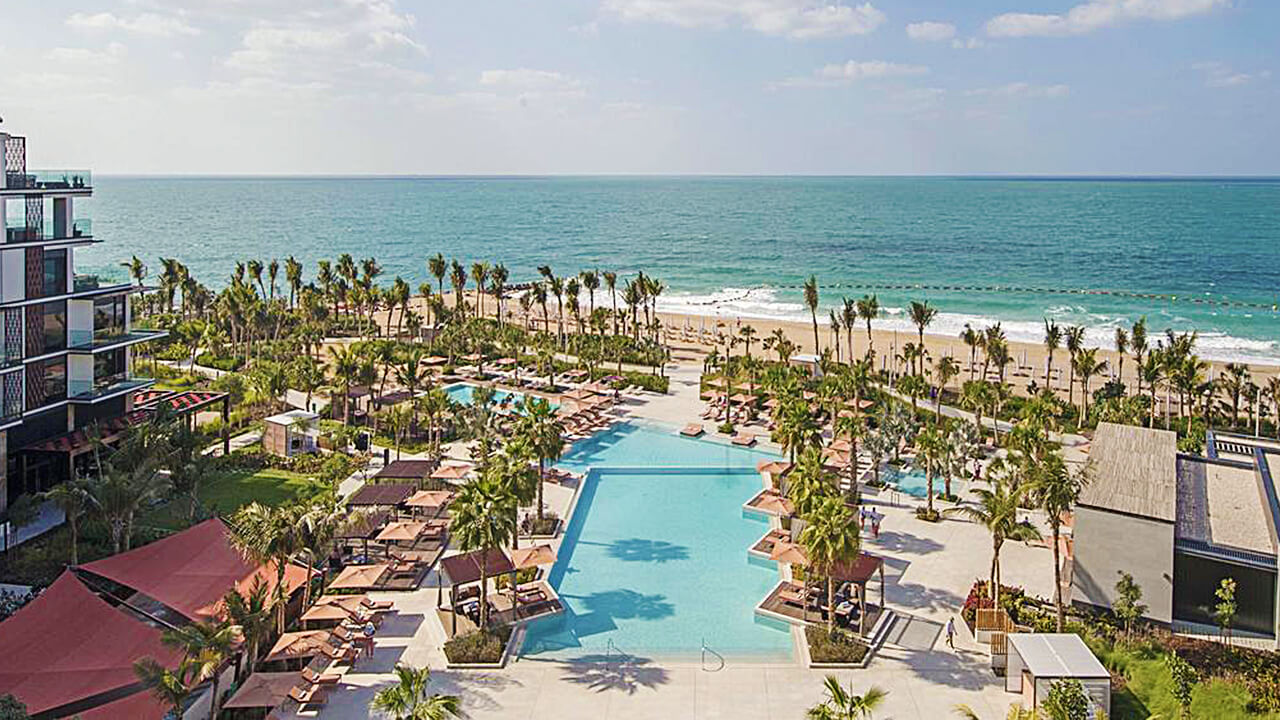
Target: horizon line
[{"x": 517, "y": 176}]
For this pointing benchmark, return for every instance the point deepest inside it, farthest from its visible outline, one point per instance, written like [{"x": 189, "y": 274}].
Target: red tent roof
[
  {"x": 190, "y": 571},
  {"x": 68, "y": 644},
  {"x": 138, "y": 706}
]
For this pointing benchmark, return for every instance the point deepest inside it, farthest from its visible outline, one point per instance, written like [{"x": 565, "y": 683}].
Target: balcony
[
  {"x": 91, "y": 391},
  {"x": 82, "y": 341},
  {"x": 80, "y": 230},
  {"x": 49, "y": 180}
]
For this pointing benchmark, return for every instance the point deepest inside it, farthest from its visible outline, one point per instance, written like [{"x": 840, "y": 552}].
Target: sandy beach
[{"x": 1028, "y": 364}]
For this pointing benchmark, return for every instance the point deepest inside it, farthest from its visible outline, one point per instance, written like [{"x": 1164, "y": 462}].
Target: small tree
[
  {"x": 1184, "y": 680},
  {"x": 11, "y": 708},
  {"x": 1128, "y": 606},
  {"x": 1225, "y": 611},
  {"x": 1066, "y": 700}
]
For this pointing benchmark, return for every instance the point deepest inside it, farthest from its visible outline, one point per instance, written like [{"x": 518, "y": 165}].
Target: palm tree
[
  {"x": 1086, "y": 366},
  {"x": 973, "y": 339},
  {"x": 206, "y": 647},
  {"x": 1075, "y": 342},
  {"x": 1057, "y": 489},
  {"x": 269, "y": 535},
  {"x": 932, "y": 446},
  {"x": 748, "y": 335},
  {"x": 170, "y": 687},
  {"x": 253, "y": 613},
  {"x": 72, "y": 498},
  {"x": 137, "y": 269},
  {"x": 498, "y": 277},
  {"x": 1052, "y": 341},
  {"x": 293, "y": 277},
  {"x": 830, "y": 538},
  {"x": 346, "y": 368},
  {"x": 1273, "y": 391},
  {"x": 483, "y": 519},
  {"x": 408, "y": 699},
  {"x": 811, "y": 302},
  {"x": 946, "y": 369},
  {"x": 868, "y": 309},
  {"x": 1122, "y": 347},
  {"x": 544, "y": 435},
  {"x": 922, "y": 315},
  {"x": 1235, "y": 379},
  {"x": 844, "y": 704},
  {"x": 1138, "y": 343},
  {"x": 118, "y": 494},
  {"x": 480, "y": 275},
  {"x": 796, "y": 428},
  {"x": 611, "y": 282},
  {"x": 835, "y": 331},
  {"x": 997, "y": 511},
  {"x": 810, "y": 483}
]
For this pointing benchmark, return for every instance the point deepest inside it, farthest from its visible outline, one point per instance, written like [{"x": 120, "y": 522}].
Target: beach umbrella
[
  {"x": 451, "y": 472},
  {"x": 473, "y": 357},
  {"x": 527, "y": 557},
  {"x": 773, "y": 467},
  {"x": 303, "y": 643},
  {"x": 789, "y": 553},
  {"x": 743, "y": 398},
  {"x": 401, "y": 531},
  {"x": 505, "y": 361},
  {"x": 263, "y": 690},
  {"x": 841, "y": 445},
  {"x": 350, "y": 603},
  {"x": 611, "y": 378},
  {"x": 775, "y": 504},
  {"x": 578, "y": 394},
  {"x": 434, "y": 360},
  {"x": 326, "y": 612},
  {"x": 359, "y": 577},
  {"x": 429, "y": 498}
]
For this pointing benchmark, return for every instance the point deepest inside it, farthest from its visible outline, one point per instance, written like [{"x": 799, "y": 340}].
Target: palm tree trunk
[
  {"x": 831, "y": 610},
  {"x": 484, "y": 595},
  {"x": 1057, "y": 575}
]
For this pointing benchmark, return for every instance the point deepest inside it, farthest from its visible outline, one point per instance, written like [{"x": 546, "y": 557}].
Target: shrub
[
  {"x": 478, "y": 646},
  {"x": 530, "y": 525},
  {"x": 839, "y": 646},
  {"x": 652, "y": 383},
  {"x": 928, "y": 515},
  {"x": 726, "y": 428},
  {"x": 230, "y": 364},
  {"x": 12, "y": 602}
]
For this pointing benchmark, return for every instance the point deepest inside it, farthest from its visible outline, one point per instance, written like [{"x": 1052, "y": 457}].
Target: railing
[
  {"x": 93, "y": 389},
  {"x": 49, "y": 180},
  {"x": 82, "y": 228},
  {"x": 718, "y": 657},
  {"x": 84, "y": 283}
]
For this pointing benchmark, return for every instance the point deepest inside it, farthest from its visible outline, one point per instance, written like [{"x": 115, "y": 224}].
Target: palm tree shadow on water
[{"x": 643, "y": 550}]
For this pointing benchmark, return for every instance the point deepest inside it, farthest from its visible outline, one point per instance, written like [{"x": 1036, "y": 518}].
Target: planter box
[{"x": 517, "y": 636}]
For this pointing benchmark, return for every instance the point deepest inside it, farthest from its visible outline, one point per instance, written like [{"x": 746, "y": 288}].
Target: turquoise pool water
[
  {"x": 913, "y": 481},
  {"x": 463, "y": 393},
  {"x": 655, "y": 560}
]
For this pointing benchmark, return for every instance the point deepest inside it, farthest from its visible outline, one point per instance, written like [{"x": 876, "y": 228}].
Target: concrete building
[
  {"x": 1179, "y": 524},
  {"x": 66, "y": 357}
]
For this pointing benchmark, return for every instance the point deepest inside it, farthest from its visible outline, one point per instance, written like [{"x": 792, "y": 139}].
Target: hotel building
[{"x": 66, "y": 342}]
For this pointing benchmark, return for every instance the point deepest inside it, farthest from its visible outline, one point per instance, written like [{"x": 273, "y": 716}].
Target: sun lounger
[
  {"x": 376, "y": 604},
  {"x": 531, "y": 595},
  {"x": 311, "y": 695},
  {"x": 316, "y": 678},
  {"x": 792, "y": 595},
  {"x": 692, "y": 430},
  {"x": 744, "y": 439},
  {"x": 341, "y": 653}
]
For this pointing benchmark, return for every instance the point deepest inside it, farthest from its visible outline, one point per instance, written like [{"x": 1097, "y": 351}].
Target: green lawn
[
  {"x": 1148, "y": 692},
  {"x": 228, "y": 491}
]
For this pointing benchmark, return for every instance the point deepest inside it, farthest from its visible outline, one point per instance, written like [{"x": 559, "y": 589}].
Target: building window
[
  {"x": 108, "y": 317},
  {"x": 55, "y": 272},
  {"x": 50, "y": 379},
  {"x": 108, "y": 368},
  {"x": 55, "y": 325}
]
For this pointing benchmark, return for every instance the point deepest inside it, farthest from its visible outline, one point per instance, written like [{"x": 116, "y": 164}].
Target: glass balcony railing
[
  {"x": 90, "y": 390},
  {"x": 84, "y": 340},
  {"x": 49, "y": 180},
  {"x": 82, "y": 228},
  {"x": 85, "y": 283}
]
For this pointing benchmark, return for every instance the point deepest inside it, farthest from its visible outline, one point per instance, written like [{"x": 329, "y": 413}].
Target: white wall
[
  {"x": 1107, "y": 543},
  {"x": 13, "y": 275},
  {"x": 79, "y": 318}
]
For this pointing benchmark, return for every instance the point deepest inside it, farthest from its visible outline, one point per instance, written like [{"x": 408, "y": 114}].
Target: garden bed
[
  {"x": 839, "y": 649},
  {"x": 479, "y": 649}
]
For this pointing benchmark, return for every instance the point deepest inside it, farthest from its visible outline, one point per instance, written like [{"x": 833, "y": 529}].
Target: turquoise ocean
[{"x": 1186, "y": 253}]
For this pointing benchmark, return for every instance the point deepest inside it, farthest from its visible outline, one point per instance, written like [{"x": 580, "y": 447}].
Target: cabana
[
  {"x": 400, "y": 471},
  {"x": 364, "y": 527},
  {"x": 464, "y": 569},
  {"x": 389, "y": 495},
  {"x": 296, "y": 432},
  {"x": 1037, "y": 660}
]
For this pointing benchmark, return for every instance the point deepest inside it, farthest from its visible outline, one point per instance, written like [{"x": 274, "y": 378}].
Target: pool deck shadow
[
  {"x": 906, "y": 543},
  {"x": 626, "y": 674}
]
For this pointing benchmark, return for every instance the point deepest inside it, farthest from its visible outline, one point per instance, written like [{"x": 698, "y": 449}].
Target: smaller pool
[
  {"x": 912, "y": 481},
  {"x": 464, "y": 394}
]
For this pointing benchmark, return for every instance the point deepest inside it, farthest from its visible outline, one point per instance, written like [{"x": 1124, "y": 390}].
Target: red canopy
[
  {"x": 190, "y": 571},
  {"x": 140, "y": 706},
  {"x": 68, "y": 644}
]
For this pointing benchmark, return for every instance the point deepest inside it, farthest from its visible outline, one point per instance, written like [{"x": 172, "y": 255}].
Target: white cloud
[
  {"x": 86, "y": 57},
  {"x": 527, "y": 79},
  {"x": 148, "y": 24},
  {"x": 1218, "y": 74},
  {"x": 972, "y": 43},
  {"x": 1094, "y": 15},
  {"x": 931, "y": 31},
  {"x": 1021, "y": 90},
  {"x": 797, "y": 19},
  {"x": 851, "y": 71}
]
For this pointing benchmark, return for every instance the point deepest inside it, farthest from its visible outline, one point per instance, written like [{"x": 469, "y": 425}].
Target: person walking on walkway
[{"x": 951, "y": 633}]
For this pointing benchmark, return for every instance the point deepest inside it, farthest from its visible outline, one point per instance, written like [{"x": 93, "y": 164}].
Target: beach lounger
[
  {"x": 792, "y": 595},
  {"x": 692, "y": 430},
  {"x": 344, "y": 653},
  {"x": 376, "y": 604},
  {"x": 532, "y": 595},
  {"x": 310, "y": 695},
  {"x": 316, "y": 678},
  {"x": 744, "y": 439}
]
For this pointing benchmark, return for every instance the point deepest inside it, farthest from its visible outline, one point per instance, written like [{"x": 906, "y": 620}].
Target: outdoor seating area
[
  {"x": 770, "y": 502},
  {"x": 806, "y": 602},
  {"x": 461, "y": 576}
]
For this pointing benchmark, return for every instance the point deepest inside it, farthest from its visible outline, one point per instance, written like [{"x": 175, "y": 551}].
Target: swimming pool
[
  {"x": 464, "y": 394},
  {"x": 912, "y": 481},
  {"x": 654, "y": 561}
]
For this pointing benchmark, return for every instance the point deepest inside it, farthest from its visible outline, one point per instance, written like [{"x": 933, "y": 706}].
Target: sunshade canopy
[
  {"x": 402, "y": 531},
  {"x": 451, "y": 472},
  {"x": 304, "y": 643},
  {"x": 465, "y": 568},
  {"x": 527, "y": 557},
  {"x": 406, "y": 470},
  {"x": 785, "y": 552},
  {"x": 382, "y": 495},
  {"x": 326, "y": 612},
  {"x": 68, "y": 644},
  {"x": 359, "y": 577},
  {"x": 429, "y": 498}
]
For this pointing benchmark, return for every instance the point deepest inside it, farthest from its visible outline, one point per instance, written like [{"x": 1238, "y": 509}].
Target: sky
[{"x": 1125, "y": 87}]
